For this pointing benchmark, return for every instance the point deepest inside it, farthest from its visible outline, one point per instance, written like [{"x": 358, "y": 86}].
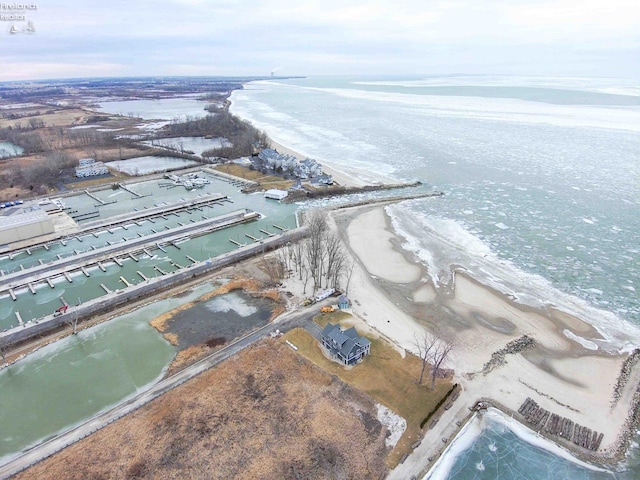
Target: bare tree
[
  {"x": 434, "y": 350},
  {"x": 335, "y": 259},
  {"x": 442, "y": 350},
  {"x": 425, "y": 344},
  {"x": 304, "y": 276},
  {"x": 349, "y": 275},
  {"x": 315, "y": 252}
]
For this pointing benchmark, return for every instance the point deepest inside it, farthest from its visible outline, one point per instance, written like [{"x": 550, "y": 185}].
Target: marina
[{"x": 121, "y": 251}]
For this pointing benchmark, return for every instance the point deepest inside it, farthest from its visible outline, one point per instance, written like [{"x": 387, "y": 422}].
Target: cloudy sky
[{"x": 90, "y": 38}]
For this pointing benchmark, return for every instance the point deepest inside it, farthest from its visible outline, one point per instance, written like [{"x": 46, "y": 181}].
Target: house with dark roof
[{"x": 345, "y": 345}]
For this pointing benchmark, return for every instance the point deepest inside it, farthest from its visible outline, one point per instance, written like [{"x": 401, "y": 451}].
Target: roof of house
[{"x": 346, "y": 340}]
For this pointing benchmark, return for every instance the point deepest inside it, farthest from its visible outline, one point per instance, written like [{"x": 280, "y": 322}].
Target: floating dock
[
  {"x": 142, "y": 275},
  {"x": 158, "y": 269}
]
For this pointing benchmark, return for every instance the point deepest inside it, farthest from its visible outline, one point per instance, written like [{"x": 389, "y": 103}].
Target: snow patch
[
  {"x": 394, "y": 423},
  {"x": 231, "y": 301}
]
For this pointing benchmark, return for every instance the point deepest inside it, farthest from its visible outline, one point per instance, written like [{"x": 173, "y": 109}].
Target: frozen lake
[
  {"x": 145, "y": 165},
  {"x": 195, "y": 145},
  {"x": 158, "y": 109}
]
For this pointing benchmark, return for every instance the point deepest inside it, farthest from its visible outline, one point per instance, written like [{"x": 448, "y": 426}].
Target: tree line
[
  {"x": 320, "y": 258},
  {"x": 245, "y": 139}
]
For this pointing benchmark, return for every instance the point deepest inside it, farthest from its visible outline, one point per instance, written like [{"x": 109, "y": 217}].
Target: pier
[
  {"x": 68, "y": 277},
  {"x": 132, "y": 192},
  {"x": 106, "y": 303},
  {"x": 84, "y": 270},
  {"x": 102, "y": 202},
  {"x": 159, "y": 270}
]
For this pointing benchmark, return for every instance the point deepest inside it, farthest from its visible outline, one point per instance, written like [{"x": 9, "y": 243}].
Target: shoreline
[
  {"x": 562, "y": 375},
  {"x": 342, "y": 177}
]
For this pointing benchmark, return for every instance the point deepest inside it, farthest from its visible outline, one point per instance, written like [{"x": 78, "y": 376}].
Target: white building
[{"x": 276, "y": 194}]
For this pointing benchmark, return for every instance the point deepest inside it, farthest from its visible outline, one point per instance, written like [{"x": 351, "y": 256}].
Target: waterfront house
[{"x": 345, "y": 345}]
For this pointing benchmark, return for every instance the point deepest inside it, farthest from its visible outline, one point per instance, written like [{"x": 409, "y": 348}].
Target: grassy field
[
  {"x": 385, "y": 374},
  {"x": 265, "y": 181},
  {"x": 63, "y": 117}
]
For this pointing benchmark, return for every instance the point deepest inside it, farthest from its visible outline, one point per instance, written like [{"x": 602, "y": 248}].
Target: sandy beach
[
  {"x": 347, "y": 177},
  {"x": 393, "y": 294}
]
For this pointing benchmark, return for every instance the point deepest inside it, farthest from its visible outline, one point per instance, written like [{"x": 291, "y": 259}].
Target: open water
[{"x": 542, "y": 183}]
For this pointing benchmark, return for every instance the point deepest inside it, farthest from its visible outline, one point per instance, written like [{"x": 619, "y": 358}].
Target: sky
[{"x": 90, "y": 38}]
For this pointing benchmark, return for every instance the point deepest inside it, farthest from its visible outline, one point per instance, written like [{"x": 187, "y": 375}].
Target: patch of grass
[{"x": 385, "y": 375}]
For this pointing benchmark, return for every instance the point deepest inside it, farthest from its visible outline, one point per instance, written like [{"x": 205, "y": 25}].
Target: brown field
[
  {"x": 265, "y": 413},
  {"x": 385, "y": 374},
  {"x": 265, "y": 181},
  {"x": 64, "y": 117}
]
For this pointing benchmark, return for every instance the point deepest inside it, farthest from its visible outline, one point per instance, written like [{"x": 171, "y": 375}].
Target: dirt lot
[{"x": 266, "y": 413}]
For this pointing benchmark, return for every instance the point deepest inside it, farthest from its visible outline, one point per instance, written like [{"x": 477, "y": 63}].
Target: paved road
[{"x": 44, "y": 450}]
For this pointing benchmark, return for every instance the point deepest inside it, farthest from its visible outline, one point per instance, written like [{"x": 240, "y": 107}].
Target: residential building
[{"x": 345, "y": 345}]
